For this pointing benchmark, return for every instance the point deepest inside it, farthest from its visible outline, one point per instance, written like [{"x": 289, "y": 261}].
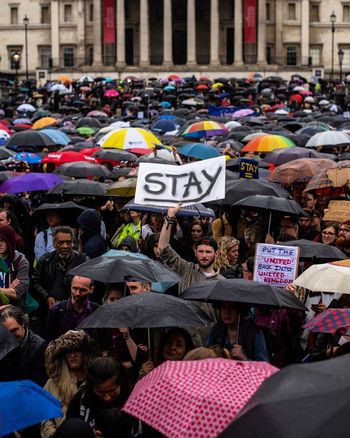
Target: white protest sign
[
  {"x": 276, "y": 265},
  {"x": 166, "y": 185}
]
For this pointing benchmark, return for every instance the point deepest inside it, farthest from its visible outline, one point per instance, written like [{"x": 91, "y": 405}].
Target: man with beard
[
  {"x": 343, "y": 241},
  {"x": 68, "y": 314},
  {"x": 206, "y": 249},
  {"x": 205, "y": 252}
]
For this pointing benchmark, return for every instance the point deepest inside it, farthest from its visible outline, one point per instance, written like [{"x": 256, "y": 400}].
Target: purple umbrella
[
  {"x": 30, "y": 182},
  {"x": 243, "y": 113}
]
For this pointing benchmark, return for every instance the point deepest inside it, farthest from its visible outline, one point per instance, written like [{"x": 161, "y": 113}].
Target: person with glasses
[
  {"x": 329, "y": 233},
  {"x": 343, "y": 240}
]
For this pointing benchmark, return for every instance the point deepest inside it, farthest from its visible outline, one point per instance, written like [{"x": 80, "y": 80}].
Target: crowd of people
[{"x": 45, "y": 234}]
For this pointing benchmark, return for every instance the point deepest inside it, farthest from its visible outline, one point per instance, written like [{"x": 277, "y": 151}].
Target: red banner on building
[
  {"x": 250, "y": 21},
  {"x": 109, "y": 21}
]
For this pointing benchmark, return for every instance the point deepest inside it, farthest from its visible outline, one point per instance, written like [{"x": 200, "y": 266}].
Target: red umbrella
[
  {"x": 330, "y": 321},
  {"x": 89, "y": 151},
  {"x": 59, "y": 158},
  {"x": 196, "y": 398},
  {"x": 202, "y": 87}
]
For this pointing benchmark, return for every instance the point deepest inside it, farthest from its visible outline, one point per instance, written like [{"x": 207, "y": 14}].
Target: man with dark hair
[
  {"x": 68, "y": 314},
  {"x": 50, "y": 282},
  {"x": 31, "y": 353}
]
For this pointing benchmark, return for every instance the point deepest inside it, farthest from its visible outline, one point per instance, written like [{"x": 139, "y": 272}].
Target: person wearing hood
[
  {"x": 66, "y": 361},
  {"x": 128, "y": 244},
  {"x": 14, "y": 272},
  {"x": 93, "y": 244}
]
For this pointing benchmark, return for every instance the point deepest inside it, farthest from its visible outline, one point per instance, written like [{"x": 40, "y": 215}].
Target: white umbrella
[
  {"x": 25, "y": 107},
  {"x": 328, "y": 138},
  {"x": 326, "y": 277},
  {"x": 59, "y": 87},
  {"x": 232, "y": 124},
  {"x": 86, "y": 78}
]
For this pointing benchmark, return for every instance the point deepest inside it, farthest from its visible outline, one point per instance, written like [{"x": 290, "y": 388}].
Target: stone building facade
[{"x": 143, "y": 37}]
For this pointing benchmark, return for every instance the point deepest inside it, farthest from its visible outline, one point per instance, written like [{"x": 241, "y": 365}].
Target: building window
[
  {"x": 90, "y": 55},
  {"x": 268, "y": 11},
  {"x": 44, "y": 56},
  {"x": 14, "y": 15},
  {"x": 68, "y": 13},
  {"x": 346, "y": 59},
  {"x": 292, "y": 14},
  {"x": 68, "y": 57},
  {"x": 291, "y": 55},
  {"x": 269, "y": 54},
  {"x": 45, "y": 15},
  {"x": 314, "y": 13},
  {"x": 315, "y": 55},
  {"x": 91, "y": 12},
  {"x": 11, "y": 52},
  {"x": 346, "y": 13}
]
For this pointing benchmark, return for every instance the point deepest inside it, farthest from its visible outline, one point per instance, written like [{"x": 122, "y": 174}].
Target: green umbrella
[{"x": 86, "y": 130}]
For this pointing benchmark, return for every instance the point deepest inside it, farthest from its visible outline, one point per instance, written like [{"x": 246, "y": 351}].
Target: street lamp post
[
  {"x": 341, "y": 59},
  {"x": 16, "y": 58},
  {"x": 26, "y": 22},
  {"x": 333, "y": 19}
]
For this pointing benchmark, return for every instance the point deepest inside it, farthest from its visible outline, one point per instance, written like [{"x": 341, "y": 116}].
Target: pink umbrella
[
  {"x": 243, "y": 112},
  {"x": 111, "y": 93},
  {"x": 196, "y": 398}
]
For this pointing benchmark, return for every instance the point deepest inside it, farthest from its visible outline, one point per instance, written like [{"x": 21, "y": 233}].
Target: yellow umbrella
[
  {"x": 125, "y": 187},
  {"x": 43, "y": 122},
  {"x": 135, "y": 140},
  {"x": 217, "y": 85}
]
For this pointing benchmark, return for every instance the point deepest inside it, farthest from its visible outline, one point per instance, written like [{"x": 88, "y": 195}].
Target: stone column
[
  {"x": 144, "y": 33},
  {"x": 279, "y": 18},
  {"x": 262, "y": 33},
  {"x": 305, "y": 38},
  {"x": 80, "y": 32},
  {"x": 238, "y": 46},
  {"x": 214, "y": 32},
  {"x": 55, "y": 34},
  {"x": 167, "y": 34},
  {"x": 97, "y": 33},
  {"x": 120, "y": 34},
  {"x": 191, "y": 33}
]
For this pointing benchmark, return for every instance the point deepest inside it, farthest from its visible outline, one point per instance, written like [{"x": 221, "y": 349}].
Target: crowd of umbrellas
[{"x": 79, "y": 149}]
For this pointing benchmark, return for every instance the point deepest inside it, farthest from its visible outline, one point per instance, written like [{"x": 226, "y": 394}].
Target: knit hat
[
  {"x": 73, "y": 428},
  {"x": 8, "y": 234},
  {"x": 209, "y": 241}
]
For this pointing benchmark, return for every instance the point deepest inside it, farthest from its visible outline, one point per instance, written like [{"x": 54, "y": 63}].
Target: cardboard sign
[
  {"x": 166, "y": 185},
  {"x": 276, "y": 265},
  {"x": 338, "y": 211},
  {"x": 248, "y": 168}
]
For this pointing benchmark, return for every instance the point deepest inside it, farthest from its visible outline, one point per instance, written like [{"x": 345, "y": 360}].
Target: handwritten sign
[
  {"x": 166, "y": 185},
  {"x": 248, "y": 168},
  {"x": 338, "y": 211},
  {"x": 276, "y": 264}
]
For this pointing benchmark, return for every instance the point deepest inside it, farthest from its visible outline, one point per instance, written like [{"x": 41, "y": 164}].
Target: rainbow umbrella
[
  {"x": 268, "y": 143},
  {"x": 136, "y": 140},
  {"x": 204, "y": 129}
]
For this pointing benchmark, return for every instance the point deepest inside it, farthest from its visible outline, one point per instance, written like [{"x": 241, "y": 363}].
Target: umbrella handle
[
  {"x": 269, "y": 226},
  {"x": 238, "y": 324},
  {"x": 149, "y": 343}
]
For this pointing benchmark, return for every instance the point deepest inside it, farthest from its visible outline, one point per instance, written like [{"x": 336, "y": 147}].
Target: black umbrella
[
  {"x": 237, "y": 190},
  {"x": 114, "y": 155},
  {"x": 304, "y": 401},
  {"x": 108, "y": 269},
  {"x": 243, "y": 291},
  {"x": 147, "y": 310},
  {"x": 70, "y": 211},
  {"x": 271, "y": 203},
  {"x": 316, "y": 250},
  {"x": 29, "y": 138},
  {"x": 7, "y": 342},
  {"x": 82, "y": 169},
  {"x": 121, "y": 171},
  {"x": 281, "y": 156},
  {"x": 6, "y": 153},
  {"x": 91, "y": 122},
  {"x": 79, "y": 187}
]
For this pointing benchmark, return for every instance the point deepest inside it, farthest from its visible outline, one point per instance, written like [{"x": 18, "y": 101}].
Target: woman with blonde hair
[
  {"x": 227, "y": 258},
  {"x": 66, "y": 361}
]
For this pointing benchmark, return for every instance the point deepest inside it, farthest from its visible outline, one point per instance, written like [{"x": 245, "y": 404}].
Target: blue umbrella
[
  {"x": 190, "y": 210},
  {"x": 198, "y": 150},
  {"x": 22, "y": 120},
  {"x": 156, "y": 287},
  {"x": 165, "y": 104},
  {"x": 163, "y": 126},
  {"x": 23, "y": 404},
  {"x": 169, "y": 88},
  {"x": 58, "y": 137},
  {"x": 28, "y": 157}
]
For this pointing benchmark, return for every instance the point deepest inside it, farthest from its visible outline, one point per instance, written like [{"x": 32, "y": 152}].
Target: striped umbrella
[
  {"x": 268, "y": 143},
  {"x": 205, "y": 129},
  {"x": 135, "y": 140}
]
